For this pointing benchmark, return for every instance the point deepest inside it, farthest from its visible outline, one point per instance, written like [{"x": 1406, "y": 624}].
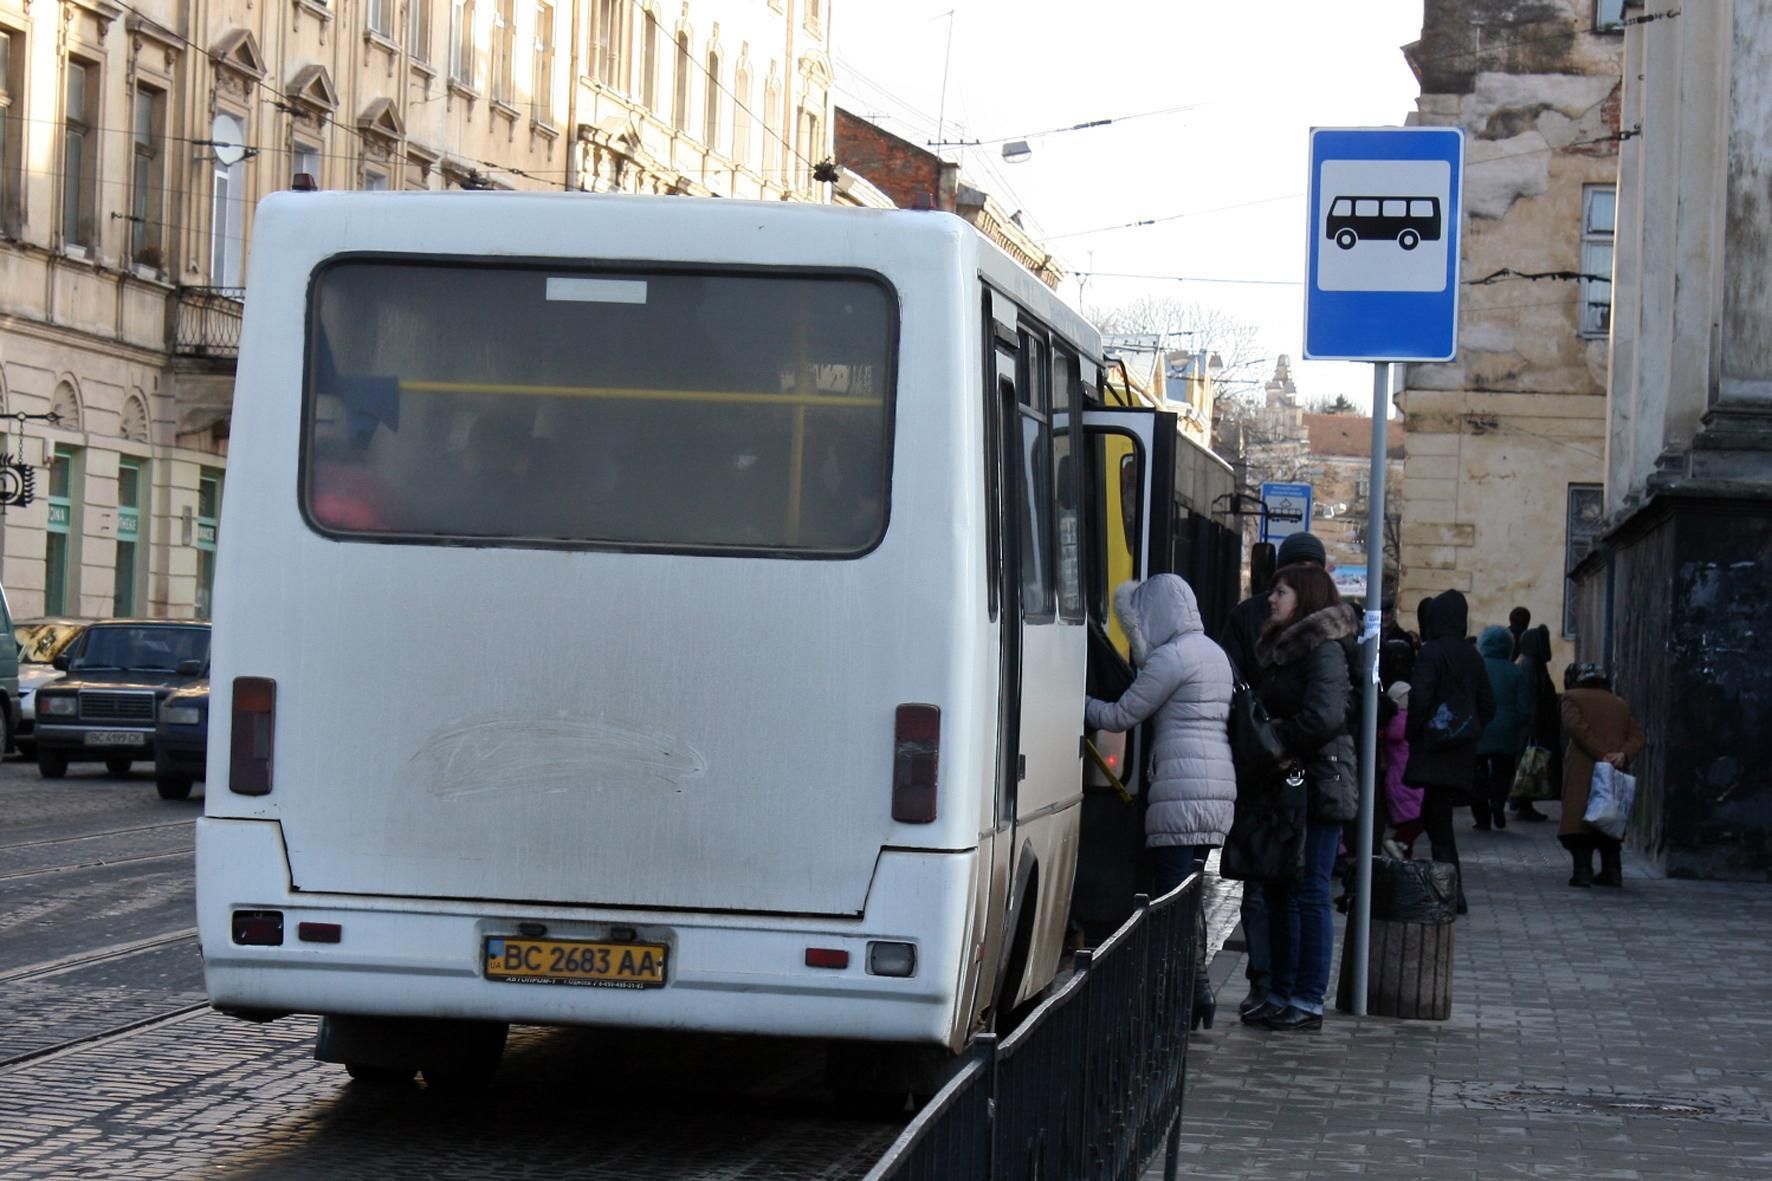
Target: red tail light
[
  {"x": 916, "y": 758},
  {"x": 255, "y": 728}
]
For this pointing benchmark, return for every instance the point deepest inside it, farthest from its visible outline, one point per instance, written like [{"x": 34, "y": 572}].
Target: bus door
[{"x": 1125, "y": 503}]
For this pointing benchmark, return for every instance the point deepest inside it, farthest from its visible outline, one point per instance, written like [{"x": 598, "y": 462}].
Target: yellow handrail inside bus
[{"x": 828, "y": 401}]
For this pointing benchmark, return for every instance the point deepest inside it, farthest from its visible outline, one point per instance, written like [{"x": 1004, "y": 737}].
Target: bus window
[
  {"x": 533, "y": 405},
  {"x": 1035, "y": 480},
  {"x": 1366, "y": 207},
  {"x": 1420, "y": 208},
  {"x": 1396, "y": 208},
  {"x": 1064, "y": 477}
]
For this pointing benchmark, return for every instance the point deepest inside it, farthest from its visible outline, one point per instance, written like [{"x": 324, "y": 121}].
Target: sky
[{"x": 1253, "y": 77}]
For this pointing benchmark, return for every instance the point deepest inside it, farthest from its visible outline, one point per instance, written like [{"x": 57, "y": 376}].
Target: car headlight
[
  {"x": 58, "y": 707},
  {"x": 180, "y": 715}
]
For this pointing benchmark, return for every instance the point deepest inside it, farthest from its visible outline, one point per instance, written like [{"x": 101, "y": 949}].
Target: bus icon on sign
[{"x": 1407, "y": 221}]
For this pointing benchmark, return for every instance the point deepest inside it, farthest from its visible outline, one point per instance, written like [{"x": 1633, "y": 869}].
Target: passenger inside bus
[{"x": 344, "y": 491}]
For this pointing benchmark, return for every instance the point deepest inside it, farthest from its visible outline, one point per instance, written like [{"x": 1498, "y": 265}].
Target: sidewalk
[{"x": 1594, "y": 1034}]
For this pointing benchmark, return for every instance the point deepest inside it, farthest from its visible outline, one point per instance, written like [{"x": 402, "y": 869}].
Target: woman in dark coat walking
[
  {"x": 1450, "y": 705},
  {"x": 1304, "y": 685},
  {"x": 1547, "y": 717}
]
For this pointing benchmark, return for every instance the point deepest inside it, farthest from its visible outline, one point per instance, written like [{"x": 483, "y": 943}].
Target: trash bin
[{"x": 1409, "y": 974}]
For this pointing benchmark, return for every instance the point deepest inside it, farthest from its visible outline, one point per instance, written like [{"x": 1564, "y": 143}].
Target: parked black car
[
  {"x": 107, "y": 706},
  {"x": 181, "y": 740}
]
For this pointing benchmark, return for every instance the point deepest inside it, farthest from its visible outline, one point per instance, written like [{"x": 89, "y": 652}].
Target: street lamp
[{"x": 1016, "y": 151}]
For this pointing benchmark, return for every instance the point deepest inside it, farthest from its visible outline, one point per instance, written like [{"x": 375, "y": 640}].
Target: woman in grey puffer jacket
[{"x": 1184, "y": 683}]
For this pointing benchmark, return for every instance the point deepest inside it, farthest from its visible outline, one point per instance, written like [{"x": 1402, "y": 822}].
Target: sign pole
[{"x": 1370, "y": 643}]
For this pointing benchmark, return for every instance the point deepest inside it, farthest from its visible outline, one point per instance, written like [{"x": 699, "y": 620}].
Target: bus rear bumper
[{"x": 727, "y": 973}]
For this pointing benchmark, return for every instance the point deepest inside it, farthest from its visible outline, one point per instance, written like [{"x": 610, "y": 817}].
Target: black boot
[
  {"x": 1611, "y": 865},
  {"x": 1480, "y": 815},
  {"x": 1450, "y": 853},
  {"x": 1524, "y": 810},
  {"x": 1256, "y": 999},
  {"x": 1205, "y": 1008},
  {"x": 1583, "y": 855}
]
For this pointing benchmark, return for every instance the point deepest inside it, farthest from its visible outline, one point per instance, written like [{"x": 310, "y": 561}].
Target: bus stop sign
[
  {"x": 1385, "y": 211},
  {"x": 1285, "y": 510}
]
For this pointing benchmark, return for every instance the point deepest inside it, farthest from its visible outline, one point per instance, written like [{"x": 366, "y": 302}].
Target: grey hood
[{"x": 1156, "y": 611}]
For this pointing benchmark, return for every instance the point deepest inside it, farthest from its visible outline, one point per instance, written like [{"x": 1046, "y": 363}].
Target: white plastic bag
[{"x": 1609, "y": 799}]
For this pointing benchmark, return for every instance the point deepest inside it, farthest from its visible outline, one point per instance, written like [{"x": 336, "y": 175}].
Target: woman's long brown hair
[{"x": 1313, "y": 586}]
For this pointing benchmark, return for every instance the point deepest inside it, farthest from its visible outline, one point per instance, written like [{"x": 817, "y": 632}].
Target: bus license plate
[
  {"x": 562, "y": 961},
  {"x": 115, "y": 738}
]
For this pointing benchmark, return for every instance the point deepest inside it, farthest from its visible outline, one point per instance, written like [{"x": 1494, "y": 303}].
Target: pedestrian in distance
[
  {"x": 1239, "y": 637},
  {"x": 1401, "y": 801},
  {"x": 1545, "y": 742},
  {"x": 1600, "y": 729},
  {"x": 1304, "y": 686},
  {"x": 1184, "y": 684},
  {"x": 1450, "y": 706},
  {"x": 1518, "y": 621},
  {"x": 1504, "y": 738}
]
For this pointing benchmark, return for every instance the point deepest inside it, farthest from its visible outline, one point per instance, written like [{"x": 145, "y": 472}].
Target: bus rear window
[{"x": 537, "y": 405}]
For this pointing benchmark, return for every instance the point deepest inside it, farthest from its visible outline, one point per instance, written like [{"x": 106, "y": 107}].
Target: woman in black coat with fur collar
[{"x": 1305, "y": 687}]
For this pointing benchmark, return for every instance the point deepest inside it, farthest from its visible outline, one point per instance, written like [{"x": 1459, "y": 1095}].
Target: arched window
[
  {"x": 710, "y": 119},
  {"x": 680, "y": 105},
  {"x": 741, "y": 115}
]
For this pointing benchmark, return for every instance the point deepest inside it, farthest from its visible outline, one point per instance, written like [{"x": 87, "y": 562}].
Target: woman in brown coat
[{"x": 1597, "y": 727}]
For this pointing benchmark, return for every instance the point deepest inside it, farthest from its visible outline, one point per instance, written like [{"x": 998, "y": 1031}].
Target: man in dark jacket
[
  {"x": 1450, "y": 705},
  {"x": 1238, "y": 637}
]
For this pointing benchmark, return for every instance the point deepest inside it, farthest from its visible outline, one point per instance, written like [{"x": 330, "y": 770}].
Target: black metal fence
[
  {"x": 206, "y": 321},
  {"x": 1090, "y": 1084}
]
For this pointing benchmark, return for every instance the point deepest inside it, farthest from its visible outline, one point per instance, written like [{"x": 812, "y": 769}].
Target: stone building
[
  {"x": 136, "y": 139},
  {"x": 1677, "y": 597},
  {"x": 1507, "y": 442}
]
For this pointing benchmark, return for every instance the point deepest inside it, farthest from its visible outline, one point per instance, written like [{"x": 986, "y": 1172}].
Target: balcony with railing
[{"x": 205, "y": 323}]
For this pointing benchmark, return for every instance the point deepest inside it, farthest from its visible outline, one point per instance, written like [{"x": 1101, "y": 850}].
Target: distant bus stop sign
[
  {"x": 1385, "y": 212},
  {"x": 1285, "y": 510}
]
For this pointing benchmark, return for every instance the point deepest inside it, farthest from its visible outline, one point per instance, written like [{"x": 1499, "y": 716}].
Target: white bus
[{"x": 662, "y": 613}]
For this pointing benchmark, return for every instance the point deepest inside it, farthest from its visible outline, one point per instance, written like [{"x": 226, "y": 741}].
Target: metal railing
[
  {"x": 1090, "y": 1084},
  {"x": 206, "y": 321}
]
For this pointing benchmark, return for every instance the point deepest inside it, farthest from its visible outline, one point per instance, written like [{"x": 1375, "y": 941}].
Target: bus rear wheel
[
  {"x": 1408, "y": 239},
  {"x": 378, "y": 1076},
  {"x": 1346, "y": 239}
]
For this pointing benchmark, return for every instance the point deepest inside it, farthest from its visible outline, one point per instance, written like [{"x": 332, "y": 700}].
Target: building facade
[
  {"x": 1503, "y": 480},
  {"x": 137, "y": 137},
  {"x": 1677, "y": 598}
]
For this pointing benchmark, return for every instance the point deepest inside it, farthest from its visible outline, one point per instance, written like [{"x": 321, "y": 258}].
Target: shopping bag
[
  {"x": 1609, "y": 800},
  {"x": 1532, "y": 779}
]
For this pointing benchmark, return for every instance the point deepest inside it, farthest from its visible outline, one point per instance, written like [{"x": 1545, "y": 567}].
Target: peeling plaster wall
[{"x": 1497, "y": 436}]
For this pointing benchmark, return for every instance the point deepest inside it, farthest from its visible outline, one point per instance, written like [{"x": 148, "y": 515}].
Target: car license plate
[
  {"x": 115, "y": 738},
  {"x": 565, "y": 961}
]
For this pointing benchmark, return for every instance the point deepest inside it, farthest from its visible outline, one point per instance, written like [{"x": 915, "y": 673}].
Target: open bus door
[{"x": 1129, "y": 466}]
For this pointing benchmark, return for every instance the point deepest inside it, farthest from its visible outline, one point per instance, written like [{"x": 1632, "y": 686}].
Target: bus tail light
[
  {"x": 255, "y": 726},
  {"x": 826, "y": 957},
  {"x": 258, "y": 928},
  {"x": 916, "y": 758}
]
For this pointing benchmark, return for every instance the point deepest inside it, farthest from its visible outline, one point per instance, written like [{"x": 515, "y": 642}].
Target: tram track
[
  {"x": 102, "y": 1037},
  {"x": 87, "y": 959},
  {"x": 73, "y": 866},
  {"x": 93, "y": 836}
]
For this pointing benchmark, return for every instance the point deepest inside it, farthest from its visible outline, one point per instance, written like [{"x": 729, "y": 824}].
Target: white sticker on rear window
[{"x": 577, "y": 290}]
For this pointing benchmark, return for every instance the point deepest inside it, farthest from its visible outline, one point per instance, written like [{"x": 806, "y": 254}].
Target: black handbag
[
  {"x": 1255, "y": 740},
  {"x": 1266, "y": 841}
]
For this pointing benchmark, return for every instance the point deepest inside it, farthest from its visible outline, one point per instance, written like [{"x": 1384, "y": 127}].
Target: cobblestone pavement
[
  {"x": 1594, "y": 1034},
  {"x": 112, "y": 1065}
]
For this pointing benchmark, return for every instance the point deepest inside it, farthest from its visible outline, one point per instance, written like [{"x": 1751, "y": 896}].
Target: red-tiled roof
[{"x": 1350, "y": 434}]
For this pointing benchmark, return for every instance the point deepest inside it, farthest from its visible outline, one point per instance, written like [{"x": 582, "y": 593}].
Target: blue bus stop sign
[{"x": 1385, "y": 211}]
